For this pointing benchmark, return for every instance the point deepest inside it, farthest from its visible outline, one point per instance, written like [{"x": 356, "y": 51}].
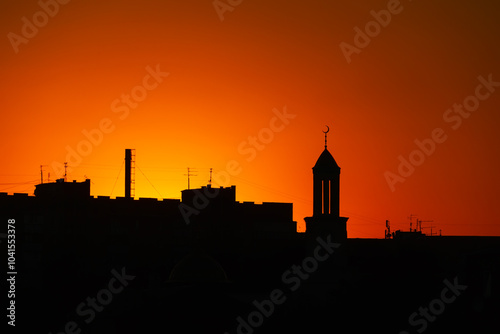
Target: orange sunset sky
[{"x": 80, "y": 67}]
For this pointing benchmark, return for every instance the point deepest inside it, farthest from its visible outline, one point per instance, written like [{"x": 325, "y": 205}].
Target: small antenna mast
[
  {"x": 419, "y": 223},
  {"x": 410, "y": 217},
  {"x": 65, "y": 171},
  {"x": 41, "y": 173},
  {"x": 189, "y": 175},
  {"x": 210, "y": 180}
]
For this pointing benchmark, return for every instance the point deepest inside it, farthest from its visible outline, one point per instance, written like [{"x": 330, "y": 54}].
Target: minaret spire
[
  {"x": 326, "y": 134},
  {"x": 326, "y": 219}
]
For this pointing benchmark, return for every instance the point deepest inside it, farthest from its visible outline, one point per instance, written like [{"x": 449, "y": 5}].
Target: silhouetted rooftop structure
[
  {"x": 63, "y": 189},
  {"x": 326, "y": 163},
  {"x": 326, "y": 199}
]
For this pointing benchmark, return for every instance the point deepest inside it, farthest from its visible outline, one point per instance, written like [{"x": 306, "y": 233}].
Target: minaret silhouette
[{"x": 326, "y": 198}]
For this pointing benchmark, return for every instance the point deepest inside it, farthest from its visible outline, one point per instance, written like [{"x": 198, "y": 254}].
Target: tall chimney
[{"x": 128, "y": 170}]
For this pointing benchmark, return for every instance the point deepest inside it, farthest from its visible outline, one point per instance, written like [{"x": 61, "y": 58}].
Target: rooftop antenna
[
  {"x": 326, "y": 135},
  {"x": 210, "y": 180},
  {"x": 41, "y": 173},
  {"x": 65, "y": 171},
  {"x": 189, "y": 175},
  {"x": 410, "y": 217},
  {"x": 419, "y": 223},
  {"x": 431, "y": 227}
]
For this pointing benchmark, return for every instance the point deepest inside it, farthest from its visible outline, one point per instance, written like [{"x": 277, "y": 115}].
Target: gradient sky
[{"x": 225, "y": 79}]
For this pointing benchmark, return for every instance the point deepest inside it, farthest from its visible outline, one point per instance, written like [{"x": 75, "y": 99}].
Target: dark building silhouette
[
  {"x": 218, "y": 206},
  {"x": 63, "y": 190},
  {"x": 326, "y": 199},
  {"x": 207, "y": 263}
]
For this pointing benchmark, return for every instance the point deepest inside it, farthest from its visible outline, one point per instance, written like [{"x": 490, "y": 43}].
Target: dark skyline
[
  {"x": 250, "y": 167},
  {"x": 187, "y": 89},
  {"x": 207, "y": 262}
]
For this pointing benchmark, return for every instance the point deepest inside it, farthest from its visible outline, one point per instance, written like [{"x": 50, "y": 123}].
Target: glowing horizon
[{"x": 410, "y": 91}]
